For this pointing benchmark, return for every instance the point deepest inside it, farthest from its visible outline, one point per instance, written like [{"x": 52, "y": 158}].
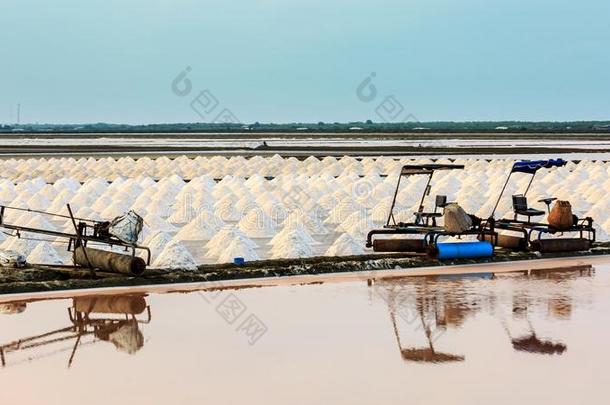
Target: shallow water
[{"x": 506, "y": 338}]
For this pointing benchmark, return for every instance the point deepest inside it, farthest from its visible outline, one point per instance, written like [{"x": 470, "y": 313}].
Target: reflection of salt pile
[
  {"x": 175, "y": 256},
  {"x": 345, "y": 245},
  {"x": 44, "y": 253}
]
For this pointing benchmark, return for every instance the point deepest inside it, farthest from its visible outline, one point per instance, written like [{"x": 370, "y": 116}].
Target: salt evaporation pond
[{"x": 509, "y": 339}]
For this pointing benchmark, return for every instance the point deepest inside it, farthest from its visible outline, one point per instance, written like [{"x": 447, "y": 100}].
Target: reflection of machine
[
  {"x": 531, "y": 343},
  {"x": 97, "y": 318},
  {"x": 423, "y": 354},
  {"x": 434, "y": 304},
  {"x": 12, "y": 308}
]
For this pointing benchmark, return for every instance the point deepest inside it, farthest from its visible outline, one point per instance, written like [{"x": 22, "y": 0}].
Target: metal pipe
[
  {"x": 391, "y": 215},
  {"x": 45, "y": 213},
  {"x": 501, "y": 193},
  {"x": 423, "y": 197},
  {"x": 529, "y": 184},
  {"x": 78, "y": 236},
  {"x": 109, "y": 261}
]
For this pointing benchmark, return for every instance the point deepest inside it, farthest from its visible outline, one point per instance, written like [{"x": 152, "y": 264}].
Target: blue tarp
[{"x": 532, "y": 166}]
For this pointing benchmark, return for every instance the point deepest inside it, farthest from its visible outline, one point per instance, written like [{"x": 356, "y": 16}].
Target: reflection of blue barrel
[{"x": 465, "y": 250}]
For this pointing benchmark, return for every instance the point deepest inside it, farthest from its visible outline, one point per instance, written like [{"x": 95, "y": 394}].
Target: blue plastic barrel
[
  {"x": 465, "y": 250},
  {"x": 238, "y": 260}
]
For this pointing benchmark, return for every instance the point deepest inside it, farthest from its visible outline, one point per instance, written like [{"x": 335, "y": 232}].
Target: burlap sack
[
  {"x": 560, "y": 216},
  {"x": 455, "y": 218}
]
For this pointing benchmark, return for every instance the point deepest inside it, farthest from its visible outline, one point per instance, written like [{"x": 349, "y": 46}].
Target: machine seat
[
  {"x": 520, "y": 208},
  {"x": 530, "y": 212}
]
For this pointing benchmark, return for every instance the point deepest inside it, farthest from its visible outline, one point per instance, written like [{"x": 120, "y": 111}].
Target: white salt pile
[
  {"x": 257, "y": 224},
  {"x": 44, "y": 253},
  {"x": 237, "y": 248},
  {"x": 156, "y": 223},
  {"x": 312, "y": 225},
  {"x": 175, "y": 256},
  {"x": 345, "y": 245},
  {"x": 40, "y": 222},
  {"x": 23, "y": 246},
  {"x": 202, "y": 227},
  {"x": 156, "y": 242},
  {"x": 223, "y": 238},
  {"x": 292, "y": 245},
  {"x": 294, "y": 227}
]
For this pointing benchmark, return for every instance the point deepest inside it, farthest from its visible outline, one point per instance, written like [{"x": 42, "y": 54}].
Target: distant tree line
[{"x": 367, "y": 126}]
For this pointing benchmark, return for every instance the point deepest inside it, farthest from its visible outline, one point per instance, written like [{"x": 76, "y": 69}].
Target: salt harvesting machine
[
  {"x": 517, "y": 233},
  {"x": 122, "y": 232},
  {"x": 523, "y": 233},
  {"x": 422, "y": 235}
]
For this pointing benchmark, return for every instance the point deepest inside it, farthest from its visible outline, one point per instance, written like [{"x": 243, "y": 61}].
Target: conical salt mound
[
  {"x": 312, "y": 225},
  {"x": 203, "y": 227},
  {"x": 175, "y": 256},
  {"x": 294, "y": 227},
  {"x": 223, "y": 238},
  {"x": 182, "y": 214},
  {"x": 291, "y": 246},
  {"x": 257, "y": 224},
  {"x": 156, "y": 242},
  {"x": 44, "y": 253},
  {"x": 237, "y": 248},
  {"x": 20, "y": 245},
  {"x": 156, "y": 223},
  {"x": 227, "y": 211},
  {"x": 345, "y": 245},
  {"x": 40, "y": 222}
]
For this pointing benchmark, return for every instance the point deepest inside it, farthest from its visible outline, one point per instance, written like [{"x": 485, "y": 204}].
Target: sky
[{"x": 118, "y": 61}]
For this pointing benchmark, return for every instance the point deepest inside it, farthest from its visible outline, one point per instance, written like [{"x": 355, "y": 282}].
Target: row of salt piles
[{"x": 345, "y": 205}]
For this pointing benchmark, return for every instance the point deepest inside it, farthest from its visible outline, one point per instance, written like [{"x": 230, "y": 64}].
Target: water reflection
[
  {"x": 106, "y": 318},
  {"x": 423, "y": 312},
  {"x": 433, "y": 305},
  {"x": 424, "y": 354}
]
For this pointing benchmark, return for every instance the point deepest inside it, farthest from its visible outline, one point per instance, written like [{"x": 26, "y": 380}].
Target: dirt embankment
[{"x": 41, "y": 278}]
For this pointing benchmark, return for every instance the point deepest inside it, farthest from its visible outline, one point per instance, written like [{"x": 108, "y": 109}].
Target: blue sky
[{"x": 295, "y": 60}]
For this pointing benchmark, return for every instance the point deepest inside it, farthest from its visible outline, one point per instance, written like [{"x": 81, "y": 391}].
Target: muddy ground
[{"x": 42, "y": 278}]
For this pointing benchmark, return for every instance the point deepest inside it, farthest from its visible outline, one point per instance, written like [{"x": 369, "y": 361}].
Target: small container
[{"x": 238, "y": 260}]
